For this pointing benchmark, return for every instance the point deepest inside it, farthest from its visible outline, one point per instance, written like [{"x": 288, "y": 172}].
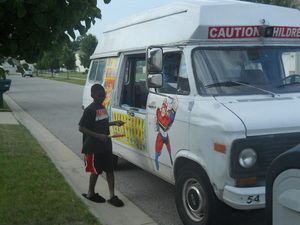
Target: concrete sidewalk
[
  {"x": 7, "y": 118},
  {"x": 72, "y": 168}
]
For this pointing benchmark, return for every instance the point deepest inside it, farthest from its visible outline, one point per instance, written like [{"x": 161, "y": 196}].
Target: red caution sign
[{"x": 233, "y": 32}]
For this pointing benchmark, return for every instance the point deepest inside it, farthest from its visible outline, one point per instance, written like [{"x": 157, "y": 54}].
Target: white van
[{"x": 210, "y": 93}]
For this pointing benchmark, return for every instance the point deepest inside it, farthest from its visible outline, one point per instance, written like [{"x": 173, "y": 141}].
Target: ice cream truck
[{"x": 210, "y": 93}]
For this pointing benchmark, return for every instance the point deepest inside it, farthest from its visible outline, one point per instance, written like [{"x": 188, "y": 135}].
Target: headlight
[{"x": 247, "y": 158}]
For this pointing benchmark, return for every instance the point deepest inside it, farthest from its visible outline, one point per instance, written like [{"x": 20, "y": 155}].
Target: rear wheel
[{"x": 196, "y": 201}]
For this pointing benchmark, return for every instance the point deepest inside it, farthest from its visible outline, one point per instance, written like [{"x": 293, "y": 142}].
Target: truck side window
[
  {"x": 134, "y": 92},
  {"x": 170, "y": 73},
  {"x": 175, "y": 80},
  {"x": 183, "y": 86},
  {"x": 97, "y": 71}
]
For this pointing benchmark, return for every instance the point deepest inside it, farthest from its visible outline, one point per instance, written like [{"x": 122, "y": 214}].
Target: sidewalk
[
  {"x": 72, "y": 168},
  {"x": 8, "y": 118}
]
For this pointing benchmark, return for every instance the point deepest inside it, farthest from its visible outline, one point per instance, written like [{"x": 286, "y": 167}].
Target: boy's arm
[
  {"x": 101, "y": 137},
  {"x": 116, "y": 123}
]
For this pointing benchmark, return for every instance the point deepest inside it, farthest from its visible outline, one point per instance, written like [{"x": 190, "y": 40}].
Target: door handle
[
  {"x": 130, "y": 113},
  {"x": 152, "y": 105}
]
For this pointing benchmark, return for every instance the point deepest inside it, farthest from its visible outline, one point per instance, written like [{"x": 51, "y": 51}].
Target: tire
[{"x": 196, "y": 201}]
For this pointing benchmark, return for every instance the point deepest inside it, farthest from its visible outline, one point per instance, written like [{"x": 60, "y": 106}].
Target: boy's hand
[
  {"x": 102, "y": 137},
  {"x": 119, "y": 123}
]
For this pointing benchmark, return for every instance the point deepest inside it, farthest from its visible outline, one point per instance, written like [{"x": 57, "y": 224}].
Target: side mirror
[
  {"x": 154, "y": 59},
  {"x": 155, "y": 80}
]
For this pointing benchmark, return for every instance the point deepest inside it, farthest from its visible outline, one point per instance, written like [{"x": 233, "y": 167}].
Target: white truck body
[{"x": 218, "y": 121}]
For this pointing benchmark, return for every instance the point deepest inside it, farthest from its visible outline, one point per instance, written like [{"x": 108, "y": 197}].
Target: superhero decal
[{"x": 162, "y": 123}]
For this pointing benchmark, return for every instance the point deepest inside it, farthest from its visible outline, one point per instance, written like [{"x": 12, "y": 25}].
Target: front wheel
[{"x": 196, "y": 201}]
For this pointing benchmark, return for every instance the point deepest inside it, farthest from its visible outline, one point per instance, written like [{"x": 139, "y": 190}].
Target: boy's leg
[
  {"x": 91, "y": 166},
  {"x": 91, "y": 195},
  {"x": 114, "y": 200},
  {"x": 92, "y": 184},
  {"x": 111, "y": 183}
]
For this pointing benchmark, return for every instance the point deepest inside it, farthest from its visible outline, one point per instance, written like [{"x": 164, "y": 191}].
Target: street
[{"x": 57, "y": 106}]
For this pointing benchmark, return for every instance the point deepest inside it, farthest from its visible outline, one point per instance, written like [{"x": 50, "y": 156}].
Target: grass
[
  {"x": 32, "y": 190},
  {"x": 73, "y": 78}
]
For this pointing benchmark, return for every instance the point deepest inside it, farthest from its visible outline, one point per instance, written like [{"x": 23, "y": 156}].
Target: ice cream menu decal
[{"x": 111, "y": 68}]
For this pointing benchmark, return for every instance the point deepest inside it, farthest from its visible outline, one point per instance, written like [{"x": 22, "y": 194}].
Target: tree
[
  {"x": 75, "y": 45},
  {"x": 49, "y": 61},
  {"x": 28, "y": 28},
  {"x": 67, "y": 59},
  {"x": 87, "y": 46},
  {"x": 286, "y": 3}
]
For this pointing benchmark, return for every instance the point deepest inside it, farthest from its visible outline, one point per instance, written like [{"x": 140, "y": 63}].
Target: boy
[{"x": 97, "y": 146}]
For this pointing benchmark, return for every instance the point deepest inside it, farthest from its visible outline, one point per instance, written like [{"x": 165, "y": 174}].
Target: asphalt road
[{"x": 57, "y": 106}]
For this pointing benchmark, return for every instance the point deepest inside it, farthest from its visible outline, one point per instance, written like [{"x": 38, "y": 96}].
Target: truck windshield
[{"x": 246, "y": 71}]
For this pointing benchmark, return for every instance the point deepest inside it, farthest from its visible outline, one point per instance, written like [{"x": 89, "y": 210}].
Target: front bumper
[{"x": 245, "y": 198}]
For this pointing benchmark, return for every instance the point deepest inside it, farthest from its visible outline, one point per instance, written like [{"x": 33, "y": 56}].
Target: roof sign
[{"x": 230, "y": 32}]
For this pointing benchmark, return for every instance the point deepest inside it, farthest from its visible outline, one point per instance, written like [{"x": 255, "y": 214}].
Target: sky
[{"x": 119, "y": 9}]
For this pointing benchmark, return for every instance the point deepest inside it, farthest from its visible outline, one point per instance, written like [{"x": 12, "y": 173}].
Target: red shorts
[{"x": 97, "y": 163}]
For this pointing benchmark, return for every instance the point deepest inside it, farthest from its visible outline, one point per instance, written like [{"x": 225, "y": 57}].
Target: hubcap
[{"x": 194, "y": 199}]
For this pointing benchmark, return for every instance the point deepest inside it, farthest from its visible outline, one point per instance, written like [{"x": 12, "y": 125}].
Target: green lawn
[
  {"x": 72, "y": 77},
  {"x": 32, "y": 191},
  {"x": 63, "y": 79}
]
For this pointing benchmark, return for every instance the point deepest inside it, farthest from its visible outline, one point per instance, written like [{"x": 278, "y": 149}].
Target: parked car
[{"x": 28, "y": 73}]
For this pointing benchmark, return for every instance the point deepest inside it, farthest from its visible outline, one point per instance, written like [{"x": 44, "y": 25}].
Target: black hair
[{"x": 96, "y": 87}]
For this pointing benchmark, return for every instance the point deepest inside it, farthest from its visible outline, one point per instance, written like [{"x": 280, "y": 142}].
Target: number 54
[{"x": 252, "y": 198}]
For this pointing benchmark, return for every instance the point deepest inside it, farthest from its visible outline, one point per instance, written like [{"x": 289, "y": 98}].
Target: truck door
[
  {"x": 168, "y": 115},
  {"x": 131, "y": 108}
]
